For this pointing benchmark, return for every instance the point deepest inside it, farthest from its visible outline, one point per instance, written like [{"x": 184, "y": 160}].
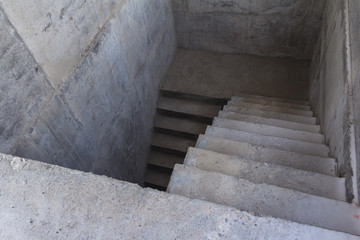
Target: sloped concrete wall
[
  {"x": 262, "y": 27},
  {"x": 354, "y": 13},
  {"x": 330, "y": 89},
  {"x": 88, "y": 94}
]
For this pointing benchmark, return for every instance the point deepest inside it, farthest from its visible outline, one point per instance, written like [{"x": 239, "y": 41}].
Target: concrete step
[
  {"x": 286, "y": 177},
  {"x": 269, "y": 155},
  {"x": 269, "y": 141},
  {"x": 106, "y": 208},
  {"x": 283, "y": 100},
  {"x": 165, "y": 160},
  {"x": 189, "y": 96},
  {"x": 268, "y": 130},
  {"x": 175, "y": 143},
  {"x": 270, "y": 121},
  {"x": 269, "y": 114},
  {"x": 157, "y": 178},
  {"x": 179, "y": 125},
  {"x": 265, "y": 199},
  {"x": 271, "y": 103},
  {"x": 271, "y": 108},
  {"x": 190, "y": 107}
]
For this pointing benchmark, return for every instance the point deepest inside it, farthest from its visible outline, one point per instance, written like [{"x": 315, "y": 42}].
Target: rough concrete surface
[
  {"x": 226, "y": 75},
  {"x": 280, "y": 143},
  {"x": 354, "y": 7},
  {"x": 330, "y": 87},
  {"x": 58, "y": 32},
  {"x": 268, "y": 130},
  {"x": 270, "y": 114},
  {"x": 257, "y": 172},
  {"x": 268, "y": 155},
  {"x": 100, "y": 120},
  {"x": 41, "y": 201},
  {"x": 271, "y": 28},
  {"x": 265, "y": 199},
  {"x": 270, "y": 121},
  {"x": 24, "y": 88}
]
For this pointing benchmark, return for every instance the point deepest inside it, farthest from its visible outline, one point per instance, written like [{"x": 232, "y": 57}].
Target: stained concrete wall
[
  {"x": 81, "y": 81},
  {"x": 329, "y": 89},
  {"x": 263, "y": 27},
  {"x": 354, "y": 13}
]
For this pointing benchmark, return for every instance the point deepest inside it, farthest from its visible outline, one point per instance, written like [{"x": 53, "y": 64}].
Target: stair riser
[
  {"x": 270, "y": 121},
  {"x": 271, "y": 108},
  {"x": 307, "y": 182},
  {"x": 268, "y": 114},
  {"x": 268, "y": 155},
  {"x": 265, "y": 199},
  {"x": 271, "y": 103},
  {"x": 269, "y": 130},
  {"x": 282, "y": 100},
  {"x": 267, "y": 141}
]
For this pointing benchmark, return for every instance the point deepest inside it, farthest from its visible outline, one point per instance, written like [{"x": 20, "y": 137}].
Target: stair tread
[
  {"x": 176, "y": 143},
  {"x": 258, "y": 153},
  {"x": 268, "y": 130},
  {"x": 271, "y": 103},
  {"x": 265, "y": 199},
  {"x": 280, "y": 143},
  {"x": 286, "y": 177},
  {"x": 180, "y": 125},
  {"x": 192, "y": 107},
  {"x": 284, "y": 100},
  {"x": 271, "y": 108},
  {"x": 270, "y": 121},
  {"x": 269, "y": 114},
  {"x": 164, "y": 160}
]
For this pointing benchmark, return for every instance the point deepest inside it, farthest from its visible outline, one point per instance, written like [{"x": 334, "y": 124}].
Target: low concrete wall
[
  {"x": 329, "y": 89},
  {"x": 354, "y": 7},
  {"x": 99, "y": 116},
  {"x": 262, "y": 27},
  {"x": 41, "y": 201}
]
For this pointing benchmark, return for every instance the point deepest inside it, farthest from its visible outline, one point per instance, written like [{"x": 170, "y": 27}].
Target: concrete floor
[{"x": 224, "y": 75}]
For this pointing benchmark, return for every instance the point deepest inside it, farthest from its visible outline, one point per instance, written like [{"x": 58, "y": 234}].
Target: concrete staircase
[
  {"x": 180, "y": 119},
  {"x": 267, "y": 156}
]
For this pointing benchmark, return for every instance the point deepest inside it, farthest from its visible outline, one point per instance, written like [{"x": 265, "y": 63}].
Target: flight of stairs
[
  {"x": 180, "y": 119},
  {"x": 267, "y": 156}
]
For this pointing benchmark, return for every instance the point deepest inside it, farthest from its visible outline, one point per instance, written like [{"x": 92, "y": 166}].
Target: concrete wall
[
  {"x": 354, "y": 13},
  {"x": 263, "y": 27},
  {"x": 329, "y": 89},
  {"x": 81, "y": 81}
]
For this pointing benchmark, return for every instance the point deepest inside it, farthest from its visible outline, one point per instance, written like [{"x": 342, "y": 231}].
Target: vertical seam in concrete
[{"x": 350, "y": 100}]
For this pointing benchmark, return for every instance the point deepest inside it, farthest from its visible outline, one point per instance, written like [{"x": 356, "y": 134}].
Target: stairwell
[
  {"x": 262, "y": 155},
  {"x": 180, "y": 119}
]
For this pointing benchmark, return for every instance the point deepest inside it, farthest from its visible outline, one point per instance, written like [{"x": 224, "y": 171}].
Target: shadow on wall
[
  {"x": 261, "y": 27},
  {"x": 99, "y": 117}
]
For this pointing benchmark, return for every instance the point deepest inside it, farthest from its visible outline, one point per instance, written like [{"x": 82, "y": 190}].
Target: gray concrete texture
[
  {"x": 354, "y": 7},
  {"x": 270, "y": 121},
  {"x": 268, "y": 155},
  {"x": 265, "y": 199},
  {"x": 100, "y": 118},
  {"x": 41, "y": 201},
  {"x": 261, "y": 27},
  {"x": 331, "y": 87},
  {"x": 257, "y": 172},
  {"x": 225, "y": 75},
  {"x": 58, "y": 32}
]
